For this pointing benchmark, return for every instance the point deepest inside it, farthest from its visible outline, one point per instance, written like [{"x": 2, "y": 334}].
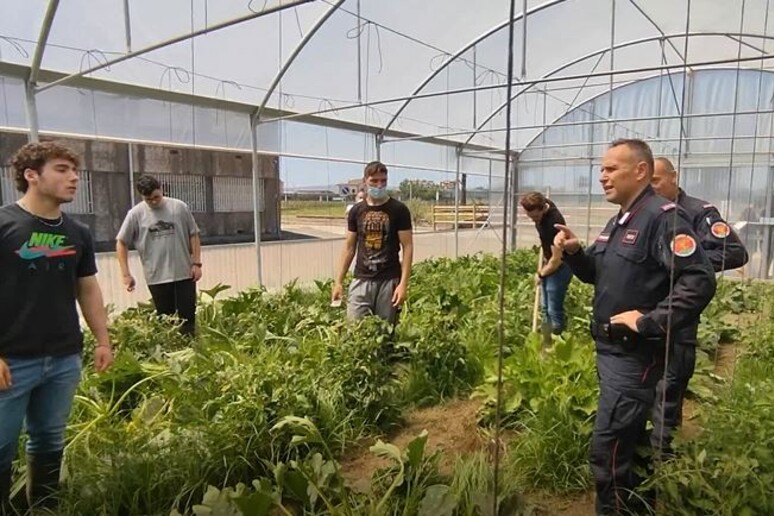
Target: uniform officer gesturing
[{"x": 650, "y": 278}]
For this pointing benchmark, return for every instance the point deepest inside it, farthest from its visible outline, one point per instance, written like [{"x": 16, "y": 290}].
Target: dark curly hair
[
  {"x": 147, "y": 184},
  {"x": 35, "y": 155}
]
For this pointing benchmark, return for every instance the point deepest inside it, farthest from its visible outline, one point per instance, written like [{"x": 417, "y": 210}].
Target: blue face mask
[{"x": 377, "y": 193}]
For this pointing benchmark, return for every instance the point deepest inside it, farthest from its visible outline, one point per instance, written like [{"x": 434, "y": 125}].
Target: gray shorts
[{"x": 372, "y": 297}]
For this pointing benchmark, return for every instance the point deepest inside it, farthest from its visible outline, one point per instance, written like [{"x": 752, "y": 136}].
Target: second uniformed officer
[
  {"x": 651, "y": 278},
  {"x": 725, "y": 251}
]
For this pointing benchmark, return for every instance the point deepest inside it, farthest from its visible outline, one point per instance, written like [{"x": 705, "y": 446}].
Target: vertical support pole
[
  {"x": 588, "y": 199},
  {"x": 489, "y": 187},
  {"x": 475, "y": 94},
  {"x": 359, "y": 57},
  {"x": 590, "y": 181},
  {"x": 257, "y": 196},
  {"x": 31, "y": 106},
  {"x": 127, "y": 27},
  {"x": 612, "y": 57},
  {"x": 513, "y": 191},
  {"x": 132, "y": 198},
  {"x": 661, "y": 92},
  {"x": 458, "y": 153},
  {"x": 31, "y": 83},
  {"x": 766, "y": 245},
  {"x": 524, "y": 39},
  {"x": 687, "y": 108}
]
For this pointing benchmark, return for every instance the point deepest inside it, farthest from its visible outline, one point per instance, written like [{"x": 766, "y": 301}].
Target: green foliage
[
  {"x": 418, "y": 189},
  {"x": 731, "y": 298},
  {"x": 421, "y": 211},
  {"x": 174, "y": 416},
  {"x": 729, "y": 468},
  {"x": 410, "y": 485},
  {"x": 550, "y": 398},
  {"x": 277, "y": 386}
]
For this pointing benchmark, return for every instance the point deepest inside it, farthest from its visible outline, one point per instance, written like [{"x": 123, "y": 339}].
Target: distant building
[{"x": 217, "y": 185}]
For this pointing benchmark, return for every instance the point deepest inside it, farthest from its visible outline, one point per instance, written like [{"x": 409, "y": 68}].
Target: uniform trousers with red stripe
[{"x": 620, "y": 451}]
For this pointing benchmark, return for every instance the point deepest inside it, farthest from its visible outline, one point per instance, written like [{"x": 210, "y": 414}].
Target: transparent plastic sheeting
[{"x": 370, "y": 51}]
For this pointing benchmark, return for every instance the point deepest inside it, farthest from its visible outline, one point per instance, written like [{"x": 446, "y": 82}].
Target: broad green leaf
[
  {"x": 415, "y": 450},
  {"x": 438, "y": 501}
]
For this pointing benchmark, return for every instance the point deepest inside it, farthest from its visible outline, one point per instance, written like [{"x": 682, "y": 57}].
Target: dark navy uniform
[
  {"x": 725, "y": 251},
  {"x": 631, "y": 265}
]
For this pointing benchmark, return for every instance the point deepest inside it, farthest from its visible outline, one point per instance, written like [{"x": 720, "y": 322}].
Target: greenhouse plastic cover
[{"x": 358, "y": 62}]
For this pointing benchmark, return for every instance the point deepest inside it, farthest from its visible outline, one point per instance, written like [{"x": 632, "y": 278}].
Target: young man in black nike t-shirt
[
  {"x": 47, "y": 263},
  {"x": 378, "y": 229}
]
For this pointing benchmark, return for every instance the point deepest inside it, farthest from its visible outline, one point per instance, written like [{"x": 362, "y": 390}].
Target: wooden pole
[{"x": 536, "y": 304}]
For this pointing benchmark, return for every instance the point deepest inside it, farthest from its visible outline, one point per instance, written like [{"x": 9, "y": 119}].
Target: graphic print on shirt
[
  {"x": 376, "y": 226},
  {"x": 49, "y": 245},
  {"x": 161, "y": 228}
]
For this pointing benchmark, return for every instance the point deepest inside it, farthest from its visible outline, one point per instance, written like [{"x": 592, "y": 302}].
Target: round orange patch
[
  {"x": 683, "y": 245},
  {"x": 720, "y": 230}
]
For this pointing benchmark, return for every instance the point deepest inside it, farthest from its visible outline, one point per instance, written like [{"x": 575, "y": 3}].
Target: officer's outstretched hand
[
  {"x": 628, "y": 319},
  {"x": 566, "y": 240}
]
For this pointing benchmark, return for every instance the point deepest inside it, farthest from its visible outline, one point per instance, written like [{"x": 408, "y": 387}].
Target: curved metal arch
[
  {"x": 461, "y": 51},
  {"x": 630, "y": 85},
  {"x": 177, "y": 39},
  {"x": 598, "y": 53},
  {"x": 45, "y": 30},
  {"x": 256, "y": 115}
]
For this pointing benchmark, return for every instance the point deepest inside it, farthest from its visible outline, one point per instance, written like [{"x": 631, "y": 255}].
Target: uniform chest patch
[
  {"x": 720, "y": 230},
  {"x": 603, "y": 237},
  {"x": 630, "y": 237},
  {"x": 683, "y": 245}
]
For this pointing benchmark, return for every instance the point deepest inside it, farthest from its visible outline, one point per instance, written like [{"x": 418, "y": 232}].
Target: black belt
[
  {"x": 620, "y": 334},
  {"x": 613, "y": 333}
]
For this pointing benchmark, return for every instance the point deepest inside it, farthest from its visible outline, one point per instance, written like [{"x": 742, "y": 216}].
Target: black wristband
[{"x": 197, "y": 264}]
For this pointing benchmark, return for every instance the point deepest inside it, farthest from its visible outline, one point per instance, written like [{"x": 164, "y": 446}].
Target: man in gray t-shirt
[{"x": 166, "y": 236}]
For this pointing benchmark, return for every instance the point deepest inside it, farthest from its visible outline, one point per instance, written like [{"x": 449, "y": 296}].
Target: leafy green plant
[
  {"x": 729, "y": 468},
  {"x": 175, "y": 419}
]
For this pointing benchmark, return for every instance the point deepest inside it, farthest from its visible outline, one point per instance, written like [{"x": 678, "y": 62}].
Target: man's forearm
[
  {"x": 405, "y": 266},
  {"x": 93, "y": 309},
  {"x": 345, "y": 261},
  {"x": 196, "y": 248},
  {"x": 122, "y": 253}
]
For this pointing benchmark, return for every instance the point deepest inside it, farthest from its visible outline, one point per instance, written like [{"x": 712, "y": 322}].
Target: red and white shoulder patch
[
  {"x": 668, "y": 206},
  {"x": 720, "y": 229},
  {"x": 683, "y": 245}
]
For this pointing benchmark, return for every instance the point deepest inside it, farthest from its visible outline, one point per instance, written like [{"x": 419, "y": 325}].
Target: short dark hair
[
  {"x": 669, "y": 165},
  {"x": 532, "y": 201},
  {"x": 640, "y": 149},
  {"x": 373, "y": 168},
  {"x": 34, "y": 156},
  {"x": 147, "y": 184}
]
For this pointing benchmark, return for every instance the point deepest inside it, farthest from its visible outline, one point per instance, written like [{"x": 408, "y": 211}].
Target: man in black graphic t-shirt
[
  {"x": 378, "y": 228},
  {"x": 46, "y": 264}
]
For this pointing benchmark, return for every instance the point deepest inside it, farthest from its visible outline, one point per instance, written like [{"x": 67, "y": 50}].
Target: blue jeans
[
  {"x": 41, "y": 396},
  {"x": 554, "y": 291}
]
